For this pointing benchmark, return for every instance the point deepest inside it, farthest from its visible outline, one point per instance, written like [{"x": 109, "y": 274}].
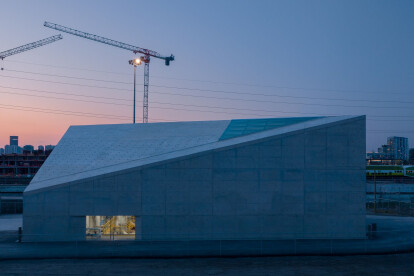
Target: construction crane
[
  {"x": 29, "y": 46},
  {"x": 147, "y": 54}
]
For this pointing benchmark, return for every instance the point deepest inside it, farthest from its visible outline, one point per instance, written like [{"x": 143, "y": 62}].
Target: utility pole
[
  {"x": 375, "y": 191},
  {"x": 135, "y": 63},
  {"x": 135, "y": 86}
]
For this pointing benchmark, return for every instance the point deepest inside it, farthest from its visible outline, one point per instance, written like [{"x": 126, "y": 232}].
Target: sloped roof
[
  {"x": 87, "y": 151},
  {"x": 84, "y": 148}
]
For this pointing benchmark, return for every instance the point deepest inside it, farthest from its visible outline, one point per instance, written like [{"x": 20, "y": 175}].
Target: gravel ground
[{"x": 398, "y": 264}]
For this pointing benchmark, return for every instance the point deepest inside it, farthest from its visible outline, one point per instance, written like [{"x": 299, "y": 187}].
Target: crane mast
[
  {"x": 146, "y": 84},
  {"x": 29, "y": 46},
  {"x": 147, "y": 54}
]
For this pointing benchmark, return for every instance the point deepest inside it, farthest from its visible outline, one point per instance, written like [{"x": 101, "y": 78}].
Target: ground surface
[
  {"x": 394, "y": 235},
  {"x": 10, "y": 222},
  {"x": 400, "y": 264}
]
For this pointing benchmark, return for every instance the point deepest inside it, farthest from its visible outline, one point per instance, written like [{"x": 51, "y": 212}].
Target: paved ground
[
  {"x": 398, "y": 264},
  {"x": 395, "y": 235},
  {"x": 401, "y": 264},
  {"x": 10, "y": 222}
]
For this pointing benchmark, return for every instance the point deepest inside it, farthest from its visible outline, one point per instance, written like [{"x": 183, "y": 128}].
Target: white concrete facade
[{"x": 301, "y": 181}]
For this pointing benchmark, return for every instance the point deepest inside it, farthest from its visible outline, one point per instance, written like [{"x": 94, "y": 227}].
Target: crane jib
[
  {"x": 30, "y": 46},
  {"x": 108, "y": 41}
]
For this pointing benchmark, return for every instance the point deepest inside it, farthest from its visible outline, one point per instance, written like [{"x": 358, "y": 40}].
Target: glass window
[{"x": 110, "y": 227}]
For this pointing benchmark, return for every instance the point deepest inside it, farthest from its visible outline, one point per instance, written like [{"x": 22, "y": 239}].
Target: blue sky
[{"x": 234, "y": 59}]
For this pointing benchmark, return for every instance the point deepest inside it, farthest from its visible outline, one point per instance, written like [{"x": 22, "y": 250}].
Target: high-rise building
[
  {"x": 398, "y": 147},
  {"x": 14, "y": 140},
  {"x": 1, "y": 151},
  {"x": 42, "y": 148}
]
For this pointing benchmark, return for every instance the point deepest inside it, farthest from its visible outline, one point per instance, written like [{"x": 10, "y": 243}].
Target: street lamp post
[{"x": 135, "y": 63}]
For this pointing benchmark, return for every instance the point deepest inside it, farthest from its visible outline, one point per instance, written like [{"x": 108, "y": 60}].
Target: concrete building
[
  {"x": 282, "y": 178},
  {"x": 16, "y": 172},
  {"x": 398, "y": 147}
]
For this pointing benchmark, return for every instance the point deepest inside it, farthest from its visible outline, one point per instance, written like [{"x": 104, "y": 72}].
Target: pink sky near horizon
[{"x": 36, "y": 128}]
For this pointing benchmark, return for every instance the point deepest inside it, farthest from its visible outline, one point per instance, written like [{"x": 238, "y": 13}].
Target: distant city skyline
[
  {"x": 15, "y": 147},
  {"x": 396, "y": 148},
  {"x": 20, "y": 143},
  {"x": 28, "y": 140}
]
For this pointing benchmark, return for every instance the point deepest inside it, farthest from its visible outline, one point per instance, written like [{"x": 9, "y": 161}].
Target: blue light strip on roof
[{"x": 242, "y": 127}]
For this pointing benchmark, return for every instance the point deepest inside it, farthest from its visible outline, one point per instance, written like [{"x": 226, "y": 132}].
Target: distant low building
[
  {"x": 13, "y": 149},
  {"x": 379, "y": 156},
  {"x": 28, "y": 148},
  {"x": 394, "y": 152},
  {"x": 17, "y": 168},
  {"x": 16, "y": 172},
  {"x": 49, "y": 147}
]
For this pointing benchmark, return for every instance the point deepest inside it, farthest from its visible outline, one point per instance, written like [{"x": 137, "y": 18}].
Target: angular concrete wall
[
  {"x": 59, "y": 213},
  {"x": 306, "y": 184},
  {"x": 309, "y": 184}
]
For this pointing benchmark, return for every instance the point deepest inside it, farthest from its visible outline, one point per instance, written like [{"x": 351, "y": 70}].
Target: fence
[
  {"x": 8, "y": 206},
  {"x": 390, "y": 206}
]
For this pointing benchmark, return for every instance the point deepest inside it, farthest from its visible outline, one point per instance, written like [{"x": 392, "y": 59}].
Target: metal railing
[{"x": 390, "y": 207}]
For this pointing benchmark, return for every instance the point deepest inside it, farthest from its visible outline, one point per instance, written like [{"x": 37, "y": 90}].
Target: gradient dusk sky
[{"x": 234, "y": 59}]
